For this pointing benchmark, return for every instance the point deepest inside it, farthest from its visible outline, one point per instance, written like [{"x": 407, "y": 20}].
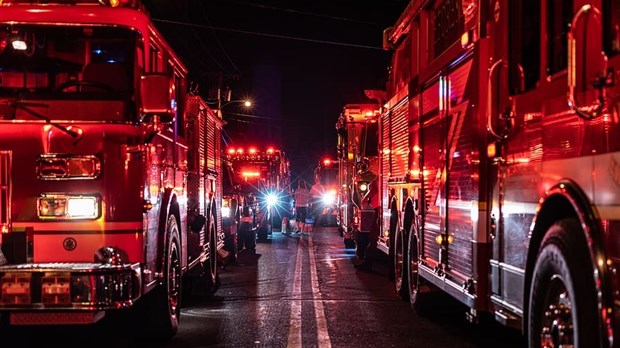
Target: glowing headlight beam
[{"x": 272, "y": 199}]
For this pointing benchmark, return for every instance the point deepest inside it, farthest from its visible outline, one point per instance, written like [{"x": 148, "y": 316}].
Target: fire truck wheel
[
  {"x": 263, "y": 232},
  {"x": 164, "y": 310},
  {"x": 349, "y": 244},
  {"x": 562, "y": 303},
  {"x": 250, "y": 240},
  {"x": 418, "y": 291},
  {"x": 400, "y": 264},
  {"x": 211, "y": 273}
]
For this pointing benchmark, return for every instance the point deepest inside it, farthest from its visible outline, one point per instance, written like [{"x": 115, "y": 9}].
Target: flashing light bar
[
  {"x": 251, "y": 150},
  {"x": 250, "y": 174}
]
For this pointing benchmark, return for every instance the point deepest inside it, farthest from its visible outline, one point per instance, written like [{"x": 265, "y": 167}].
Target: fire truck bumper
[{"x": 66, "y": 293}]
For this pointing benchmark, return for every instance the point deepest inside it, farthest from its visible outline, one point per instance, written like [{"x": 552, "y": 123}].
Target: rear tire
[
  {"x": 563, "y": 298},
  {"x": 400, "y": 264},
  {"x": 212, "y": 276},
  {"x": 349, "y": 244},
  {"x": 419, "y": 292}
]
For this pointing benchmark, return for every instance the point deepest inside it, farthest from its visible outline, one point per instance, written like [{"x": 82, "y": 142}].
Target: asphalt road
[{"x": 293, "y": 291}]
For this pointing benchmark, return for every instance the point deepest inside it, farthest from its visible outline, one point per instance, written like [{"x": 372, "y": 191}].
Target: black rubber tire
[
  {"x": 250, "y": 239},
  {"x": 263, "y": 233},
  {"x": 163, "y": 311},
  {"x": 563, "y": 275},
  {"x": 400, "y": 264},
  {"x": 212, "y": 276},
  {"x": 418, "y": 290},
  {"x": 349, "y": 244}
]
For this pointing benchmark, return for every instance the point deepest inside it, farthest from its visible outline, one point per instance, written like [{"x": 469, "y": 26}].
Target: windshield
[
  {"x": 328, "y": 176},
  {"x": 67, "y": 72}
]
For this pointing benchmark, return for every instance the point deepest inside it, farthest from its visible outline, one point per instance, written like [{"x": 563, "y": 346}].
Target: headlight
[
  {"x": 363, "y": 186},
  {"x": 58, "y": 206},
  {"x": 329, "y": 198},
  {"x": 225, "y": 212},
  {"x": 272, "y": 199}
]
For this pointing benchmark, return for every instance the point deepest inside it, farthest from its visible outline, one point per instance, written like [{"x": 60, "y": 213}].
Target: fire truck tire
[
  {"x": 419, "y": 298},
  {"x": 211, "y": 274},
  {"x": 400, "y": 264},
  {"x": 263, "y": 232},
  {"x": 164, "y": 310},
  {"x": 250, "y": 239},
  {"x": 349, "y": 244},
  {"x": 246, "y": 237},
  {"x": 563, "y": 301}
]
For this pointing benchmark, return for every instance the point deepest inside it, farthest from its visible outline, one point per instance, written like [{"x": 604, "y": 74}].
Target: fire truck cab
[
  {"x": 357, "y": 151},
  {"x": 262, "y": 179},
  {"x": 109, "y": 180},
  {"x": 501, "y": 187},
  {"x": 324, "y": 192}
]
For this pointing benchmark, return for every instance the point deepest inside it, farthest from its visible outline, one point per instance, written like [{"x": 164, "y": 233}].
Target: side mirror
[{"x": 157, "y": 97}]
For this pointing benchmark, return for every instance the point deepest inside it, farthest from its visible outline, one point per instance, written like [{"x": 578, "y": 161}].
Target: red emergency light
[
  {"x": 250, "y": 174},
  {"x": 327, "y": 162}
]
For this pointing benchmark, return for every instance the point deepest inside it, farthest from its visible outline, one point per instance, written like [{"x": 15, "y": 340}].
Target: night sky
[{"x": 299, "y": 61}]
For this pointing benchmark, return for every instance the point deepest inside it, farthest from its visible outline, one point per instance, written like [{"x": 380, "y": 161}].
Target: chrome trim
[
  {"x": 450, "y": 287},
  {"x": 114, "y": 286}
]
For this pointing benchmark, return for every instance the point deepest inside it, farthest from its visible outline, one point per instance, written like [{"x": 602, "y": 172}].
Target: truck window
[
  {"x": 524, "y": 47},
  {"x": 69, "y": 72},
  {"x": 559, "y": 17},
  {"x": 448, "y": 23},
  {"x": 371, "y": 145}
]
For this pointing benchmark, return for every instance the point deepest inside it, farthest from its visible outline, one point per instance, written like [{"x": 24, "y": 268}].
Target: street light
[{"x": 246, "y": 103}]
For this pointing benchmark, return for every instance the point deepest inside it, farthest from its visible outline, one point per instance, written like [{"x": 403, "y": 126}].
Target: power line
[
  {"x": 269, "y": 35},
  {"x": 217, "y": 40},
  {"x": 313, "y": 14}
]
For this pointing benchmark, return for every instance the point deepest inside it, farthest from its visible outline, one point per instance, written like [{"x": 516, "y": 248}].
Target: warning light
[{"x": 327, "y": 162}]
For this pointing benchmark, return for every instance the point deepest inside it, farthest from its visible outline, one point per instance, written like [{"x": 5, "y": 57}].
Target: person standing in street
[
  {"x": 302, "y": 201},
  {"x": 316, "y": 193}
]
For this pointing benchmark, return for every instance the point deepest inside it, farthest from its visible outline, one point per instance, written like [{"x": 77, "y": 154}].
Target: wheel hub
[{"x": 557, "y": 325}]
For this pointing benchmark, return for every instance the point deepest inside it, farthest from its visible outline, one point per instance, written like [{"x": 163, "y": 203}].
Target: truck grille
[{"x": 5, "y": 191}]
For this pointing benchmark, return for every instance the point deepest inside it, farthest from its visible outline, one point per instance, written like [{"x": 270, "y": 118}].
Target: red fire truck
[
  {"x": 262, "y": 180},
  {"x": 500, "y": 145},
  {"x": 324, "y": 192},
  {"x": 108, "y": 169},
  {"x": 358, "y": 136}
]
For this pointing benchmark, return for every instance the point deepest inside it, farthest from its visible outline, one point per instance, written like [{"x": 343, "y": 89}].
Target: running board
[{"x": 453, "y": 289}]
